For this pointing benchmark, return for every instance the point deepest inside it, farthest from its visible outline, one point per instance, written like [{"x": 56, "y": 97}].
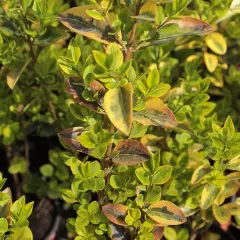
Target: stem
[
  {"x": 33, "y": 56},
  {"x": 52, "y": 109}
]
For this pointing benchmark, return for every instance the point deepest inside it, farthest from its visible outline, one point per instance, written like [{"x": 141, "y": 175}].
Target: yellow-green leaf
[
  {"x": 209, "y": 194},
  {"x": 221, "y": 214},
  {"x": 118, "y": 106},
  {"x": 211, "y": 61},
  {"x": 156, "y": 113},
  {"x": 94, "y": 14},
  {"x": 130, "y": 152},
  {"x": 116, "y": 213},
  {"x": 15, "y": 74},
  {"x": 233, "y": 208},
  {"x": 217, "y": 43},
  {"x": 153, "y": 78},
  {"x": 199, "y": 173},
  {"x": 234, "y": 164},
  {"x": 166, "y": 213}
]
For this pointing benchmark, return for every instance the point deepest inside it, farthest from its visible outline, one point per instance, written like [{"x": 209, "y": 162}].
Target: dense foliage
[{"x": 145, "y": 100}]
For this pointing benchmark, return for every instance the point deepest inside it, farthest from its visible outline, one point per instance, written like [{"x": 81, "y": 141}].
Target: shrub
[{"x": 152, "y": 150}]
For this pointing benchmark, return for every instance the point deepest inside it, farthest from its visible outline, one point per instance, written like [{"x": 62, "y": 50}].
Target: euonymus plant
[{"x": 153, "y": 152}]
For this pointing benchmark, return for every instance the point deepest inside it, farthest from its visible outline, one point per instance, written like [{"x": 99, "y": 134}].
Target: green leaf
[
  {"x": 170, "y": 233},
  {"x": 158, "y": 90},
  {"x": 166, "y": 213},
  {"x": 3, "y": 225},
  {"x": 211, "y": 61},
  {"x": 138, "y": 130},
  {"x": 14, "y": 75},
  {"x": 26, "y": 210},
  {"x": 47, "y": 170},
  {"x": 100, "y": 58},
  {"x": 153, "y": 195},
  {"x": 199, "y": 173},
  {"x": 153, "y": 78},
  {"x": 114, "y": 57},
  {"x": 93, "y": 207},
  {"x": 130, "y": 152},
  {"x": 143, "y": 176},
  {"x": 221, "y": 214},
  {"x": 23, "y": 233},
  {"x": 19, "y": 165},
  {"x": 162, "y": 175},
  {"x": 233, "y": 164},
  {"x": 79, "y": 21},
  {"x": 18, "y": 205},
  {"x": 94, "y": 14},
  {"x": 118, "y": 106},
  {"x": 183, "y": 234},
  {"x": 209, "y": 194},
  {"x": 86, "y": 140}
]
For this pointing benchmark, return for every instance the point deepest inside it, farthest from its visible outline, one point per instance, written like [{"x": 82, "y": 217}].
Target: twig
[{"x": 52, "y": 109}]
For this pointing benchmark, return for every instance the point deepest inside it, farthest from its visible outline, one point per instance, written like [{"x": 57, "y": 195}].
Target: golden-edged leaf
[
  {"x": 116, "y": 213},
  {"x": 209, "y": 194},
  {"x": 166, "y": 213},
  {"x": 156, "y": 113},
  {"x": 231, "y": 187},
  {"x": 221, "y": 214},
  {"x": 234, "y": 164},
  {"x": 199, "y": 173},
  {"x": 233, "y": 176},
  {"x": 15, "y": 74},
  {"x": 211, "y": 61},
  {"x": 151, "y": 142},
  {"x": 216, "y": 42},
  {"x": 233, "y": 208},
  {"x": 118, "y": 105},
  {"x": 130, "y": 152},
  {"x": 80, "y": 22}
]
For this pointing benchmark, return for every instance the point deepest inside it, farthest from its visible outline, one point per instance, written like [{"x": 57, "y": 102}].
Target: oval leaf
[
  {"x": 162, "y": 175},
  {"x": 80, "y": 22},
  {"x": 217, "y": 43},
  {"x": 234, "y": 164},
  {"x": 209, "y": 194},
  {"x": 211, "y": 61},
  {"x": 131, "y": 152},
  {"x": 116, "y": 213},
  {"x": 118, "y": 106},
  {"x": 221, "y": 214},
  {"x": 166, "y": 213},
  {"x": 158, "y": 232},
  {"x": 199, "y": 173},
  {"x": 156, "y": 113}
]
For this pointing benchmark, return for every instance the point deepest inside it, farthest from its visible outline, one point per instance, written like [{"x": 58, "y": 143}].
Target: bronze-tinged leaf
[
  {"x": 116, "y": 213},
  {"x": 158, "y": 232},
  {"x": 118, "y": 232},
  {"x": 209, "y": 195},
  {"x": 68, "y": 139},
  {"x": 156, "y": 113},
  {"x": 230, "y": 188},
  {"x": 166, "y": 213},
  {"x": 190, "y": 26},
  {"x": 80, "y": 22},
  {"x": 15, "y": 74},
  {"x": 75, "y": 88},
  {"x": 97, "y": 88},
  {"x": 130, "y": 152},
  {"x": 118, "y": 104}
]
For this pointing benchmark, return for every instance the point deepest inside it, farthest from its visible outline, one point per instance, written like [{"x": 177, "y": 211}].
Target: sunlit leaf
[
  {"x": 217, "y": 43},
  {"x": 221, "y": 214},
  {"x": 232, "y": 208},
  {"x": 79, "y": 21},
  {"x": 118, "y": 106},
  {"x": 199, "y": 173},
  {"x": 211, "y": 61},
  {"x": 235, "y": 6},
  {"x": 166, "y": 213},
  {"x": 116, "y": 213},
  {"x": 130, "y": 152},
  {"x": 209, "y": 194},
  {"x": 156, "y": 113},
  {"x": 15, "y": 74},
  {"x": 234, "y": 164}
]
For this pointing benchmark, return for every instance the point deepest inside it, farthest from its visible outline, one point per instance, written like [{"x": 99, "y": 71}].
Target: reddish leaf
[
  {"x": 116, "y": 213},
  {"x": 131, "y": 152},
  {"x": 158, "y": 232}
]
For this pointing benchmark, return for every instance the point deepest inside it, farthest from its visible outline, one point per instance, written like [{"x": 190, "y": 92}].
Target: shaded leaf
[
  {"x": 68, "y": 139},
  {"x": 51, "y": 36},
  {"x": 118, "y": 232},
  {"x": 158, "y": 232},
  {"x": 79, "y": 21},
  {"x": 116, "y": 213},
  {"x": 232, "y": 208},
  {"x": 118, "y": 106},
  {"x": 166, "y": 213},
  {"x": 15, "y": 74},
  {"x": 130, "y": 152},
  {"x": 156, "y": 113}
]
